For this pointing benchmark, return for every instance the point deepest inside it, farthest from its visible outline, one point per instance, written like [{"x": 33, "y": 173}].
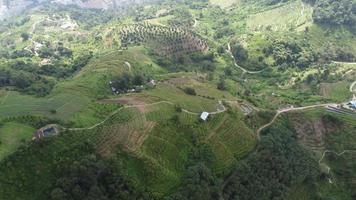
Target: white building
[{"x": 204, "y": 116}]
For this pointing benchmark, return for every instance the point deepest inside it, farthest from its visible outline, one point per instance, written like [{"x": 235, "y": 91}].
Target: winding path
[
  {"x": 219, "y": 110},
  {"x": 338, "y": 154},
  {"x": 279, "y": 112},
  {"x": 128, "y": 65},
  {"x": 345, "y": 63},
  {"x": 238, "y": 66},
  {"x": 352, "y": 87}
]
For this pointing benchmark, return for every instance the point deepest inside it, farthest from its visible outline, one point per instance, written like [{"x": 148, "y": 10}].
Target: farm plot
[
  {"x": 15, "y": 104},
  {"x": 231, "y": 142},
  {"x": 168, "y": 147},
  {"x": 178, "y": 97},
  {"x": 292, "y": 15},
  {"x": 337, "y": 91},
  {"x": 128, "y": 128},
  {"x": 165, "y": 41},
  {"x": 160, "y": 112},
  {"x": 12, "y": 135}
]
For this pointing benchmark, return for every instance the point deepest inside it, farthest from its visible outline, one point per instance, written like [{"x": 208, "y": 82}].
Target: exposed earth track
[
  {"x": 345, "y": 63},
  {"x": 238, "y": 66},
  {"x": 338, "y": 154},
  {"x": 219, "y": 110},
  {"x": 352, "y": 87},
  {"x": 128, "y": 65},
  {"x": 279, "y": 112}
]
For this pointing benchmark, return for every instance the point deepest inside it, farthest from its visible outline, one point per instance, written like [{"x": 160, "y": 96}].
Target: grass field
[{"x": 12, "y": 135}]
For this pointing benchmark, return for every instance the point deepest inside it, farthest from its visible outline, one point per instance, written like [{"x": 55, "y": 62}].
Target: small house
[
  {"x": 204, "y": 116},
  {"x": 352, "y": 104},
  {"x": 152, "y": 83}
]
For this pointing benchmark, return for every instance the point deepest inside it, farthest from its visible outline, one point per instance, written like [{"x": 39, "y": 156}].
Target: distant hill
[{"x": 13, "y": 7}]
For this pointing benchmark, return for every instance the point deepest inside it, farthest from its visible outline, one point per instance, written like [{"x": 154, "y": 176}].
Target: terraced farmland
[
  {"x": 64, "y": 104},
  {"x": 231, "y": 142},
  {"x": 293, "y": 15}
]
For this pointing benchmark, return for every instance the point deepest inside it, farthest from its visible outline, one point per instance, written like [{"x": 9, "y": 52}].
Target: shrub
[{"x": 190, "y": 91}]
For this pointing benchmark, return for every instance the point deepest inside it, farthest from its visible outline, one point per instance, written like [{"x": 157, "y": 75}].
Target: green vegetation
[
  {"x": 330, "y": 12},
  {"x": 13, "y": 135},
  {"x": 126, "y": 88}
]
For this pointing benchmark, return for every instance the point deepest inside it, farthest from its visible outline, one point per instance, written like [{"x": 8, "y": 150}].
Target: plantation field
[
  {"x": 15, "y": 104},
  {"x": 113, "y": 62},
  {"x": 291, "y": 15},
  {"x": 92, "y": 114},
  {"x": 339, "y": 91},
  {"x": 231, "y": 142},
  {"x": 12, "y": 135}
]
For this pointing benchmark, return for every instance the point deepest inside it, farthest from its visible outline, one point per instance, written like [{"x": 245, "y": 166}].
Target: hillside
[{"x": 108, "y": 99}]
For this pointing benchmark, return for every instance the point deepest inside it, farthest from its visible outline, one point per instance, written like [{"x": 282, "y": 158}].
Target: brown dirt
[
  {"x": 310, "y": 133},
  {"x": 140, "y": 102},
  {"x": 181, "y": 81}
]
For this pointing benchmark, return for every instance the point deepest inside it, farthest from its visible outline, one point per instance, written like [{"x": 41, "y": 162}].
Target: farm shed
[{"x": 204, "y": 116}]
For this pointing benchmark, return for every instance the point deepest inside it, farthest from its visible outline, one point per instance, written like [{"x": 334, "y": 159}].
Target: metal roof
[{"x": 204, "y": 116}]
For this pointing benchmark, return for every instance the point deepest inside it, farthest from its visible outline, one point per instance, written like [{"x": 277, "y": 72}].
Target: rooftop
[{"x": 204, "y": 116}]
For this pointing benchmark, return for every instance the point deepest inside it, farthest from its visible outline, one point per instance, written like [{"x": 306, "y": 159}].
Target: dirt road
[
  {"x": 221, "y": 109},
  {"x": 279, "y": 112},
  {"x": 352, "y": 87},
  {"x": 128, "y": 65},
  {"x": 238, "y": 66}
]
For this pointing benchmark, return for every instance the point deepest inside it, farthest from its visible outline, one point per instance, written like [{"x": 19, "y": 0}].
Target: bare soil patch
[
  {"x": 310, "y": 133},
  {"x": 137, "y": 101},
  {"x": 181, "y": 81}
]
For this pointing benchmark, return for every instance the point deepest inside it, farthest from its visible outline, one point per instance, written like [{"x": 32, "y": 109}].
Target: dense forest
[{"x": 342, "y": 12}]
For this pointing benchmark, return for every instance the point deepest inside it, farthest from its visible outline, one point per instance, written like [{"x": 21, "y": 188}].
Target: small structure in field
[
  {"x": 204, "y": 116},
  {"x": 47, "y": 131},
  {"x": 152, "y": 83},
  {"x": 352, "y": 104}
]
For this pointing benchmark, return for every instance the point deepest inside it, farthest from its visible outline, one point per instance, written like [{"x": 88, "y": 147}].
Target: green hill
[{"x": 126, "y": 87}]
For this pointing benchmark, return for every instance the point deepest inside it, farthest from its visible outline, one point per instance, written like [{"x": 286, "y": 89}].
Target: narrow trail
[
  {"x": 279, "y": 112},
  {"x": 114, "y": 113},
  {"x": 143, "y": 105},
  {"x": 344, "y": 63},
  {"x": 128, "y": 65},
  {"x": 338, "y": 154},
  {"x": 195, "y": 23},
  {"x": 352, "y": 87},
  {"x": 238, "y": 66}
]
